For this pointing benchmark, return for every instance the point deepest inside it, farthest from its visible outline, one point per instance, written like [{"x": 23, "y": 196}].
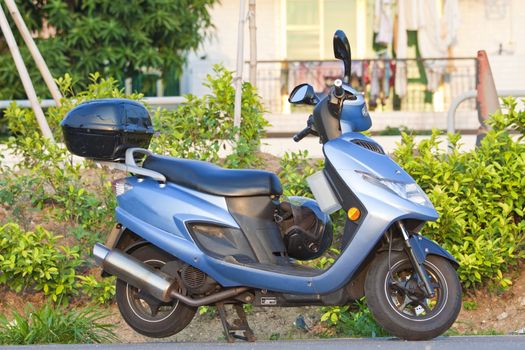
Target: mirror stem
[{"x": 348, "y": 70}]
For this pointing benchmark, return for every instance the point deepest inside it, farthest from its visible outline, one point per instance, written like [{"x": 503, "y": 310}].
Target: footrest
[{"x": 239, "y": 328}]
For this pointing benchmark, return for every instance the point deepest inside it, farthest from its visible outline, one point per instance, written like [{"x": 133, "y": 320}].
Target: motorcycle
[{"x": 191, "y": 233}]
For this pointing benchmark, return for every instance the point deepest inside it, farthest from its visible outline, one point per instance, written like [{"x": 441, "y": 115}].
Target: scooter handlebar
[
  {"x": 339, "y": 91},
  {"x": 302, "y": 134}
]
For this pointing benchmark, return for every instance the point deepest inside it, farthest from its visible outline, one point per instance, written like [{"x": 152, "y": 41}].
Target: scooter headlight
[{"x": 409, "y": 191}]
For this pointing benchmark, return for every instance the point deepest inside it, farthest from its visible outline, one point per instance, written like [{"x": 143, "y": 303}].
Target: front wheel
[{"x": 400, "y": 306}]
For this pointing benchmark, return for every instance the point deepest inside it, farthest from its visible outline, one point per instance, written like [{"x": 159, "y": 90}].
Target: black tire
[
  {"x": 170, "y": 318},
  {"x": 413, "y": 318}
]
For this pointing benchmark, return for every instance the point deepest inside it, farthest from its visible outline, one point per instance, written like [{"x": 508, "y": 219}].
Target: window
[{"x": 310, "y": 26}]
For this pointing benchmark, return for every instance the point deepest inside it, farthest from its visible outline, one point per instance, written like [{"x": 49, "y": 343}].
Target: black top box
[{"x": 104, "y": 129}]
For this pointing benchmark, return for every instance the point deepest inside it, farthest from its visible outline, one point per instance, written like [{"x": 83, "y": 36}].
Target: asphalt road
[{"x": 441, "y": 343}]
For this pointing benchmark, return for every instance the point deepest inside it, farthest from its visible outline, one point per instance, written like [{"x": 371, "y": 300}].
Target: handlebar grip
[
  {"x": 302, "y": 134},
  {"x": 338, "y": 88}
]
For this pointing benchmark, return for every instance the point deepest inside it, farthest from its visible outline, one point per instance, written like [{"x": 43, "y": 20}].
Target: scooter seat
[{"x": 212, "y": 179}]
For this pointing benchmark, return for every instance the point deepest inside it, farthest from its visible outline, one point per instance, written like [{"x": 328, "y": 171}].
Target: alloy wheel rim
[
  {"x": 143, "y": 308},
  {"x": 407, "y": 299}
]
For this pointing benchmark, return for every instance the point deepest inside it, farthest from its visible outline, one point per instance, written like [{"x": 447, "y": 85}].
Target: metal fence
[
  {"x": 429, "y": 84},
  {"x": 168, "y": 102}
]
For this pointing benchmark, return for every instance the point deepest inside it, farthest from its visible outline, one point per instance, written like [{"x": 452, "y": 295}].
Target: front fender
[
  {"x": 429, "y": 247},
  {"x": 422, "y": 247}
]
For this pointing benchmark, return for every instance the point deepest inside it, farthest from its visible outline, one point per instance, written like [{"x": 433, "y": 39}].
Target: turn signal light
[
  {"x": 354, "y": 214},
  {"x": 121, "y": 186}
]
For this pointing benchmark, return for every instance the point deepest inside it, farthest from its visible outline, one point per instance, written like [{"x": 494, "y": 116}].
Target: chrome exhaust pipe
[
  {"x": 155, "y": 282},
  {"x": 134, "y": 272}
]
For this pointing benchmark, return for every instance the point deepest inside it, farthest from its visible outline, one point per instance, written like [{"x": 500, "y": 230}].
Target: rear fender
[{"x": 124, "y": 239}]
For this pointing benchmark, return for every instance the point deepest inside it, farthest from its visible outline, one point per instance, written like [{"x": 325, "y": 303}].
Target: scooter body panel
[
  {"x": 231, "y": 275},
  {"x": 170, "y": 205},
  {"x": 350, "y": 159},
  {"x": 158, "y": 214}
]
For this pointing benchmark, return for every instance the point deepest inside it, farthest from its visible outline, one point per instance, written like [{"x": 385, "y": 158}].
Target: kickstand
[{"x": 239, "y": 324}]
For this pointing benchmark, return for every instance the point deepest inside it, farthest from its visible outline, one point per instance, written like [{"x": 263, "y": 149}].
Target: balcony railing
[{"x": 430, "y": 84}]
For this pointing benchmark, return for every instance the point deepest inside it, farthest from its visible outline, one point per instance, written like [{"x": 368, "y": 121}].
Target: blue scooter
[{"x": 191, "y": 233}]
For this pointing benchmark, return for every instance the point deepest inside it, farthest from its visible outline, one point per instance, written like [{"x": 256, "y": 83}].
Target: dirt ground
[
  {"x": 499, "y": 314},
  {"x": 267, "y": 323},
  {"x": 503, "y": 313}
]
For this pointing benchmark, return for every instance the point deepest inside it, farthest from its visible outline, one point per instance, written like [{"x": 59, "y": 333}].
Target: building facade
[{"x": 294, "y": 37}]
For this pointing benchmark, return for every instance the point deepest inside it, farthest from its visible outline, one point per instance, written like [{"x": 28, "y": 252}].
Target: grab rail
[{"x": 131, "y": 166}]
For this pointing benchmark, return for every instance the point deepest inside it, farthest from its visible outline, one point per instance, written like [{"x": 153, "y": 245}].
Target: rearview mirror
[
  {"x": 343, "y": 52},
  {"x": 303, "y": 93}
]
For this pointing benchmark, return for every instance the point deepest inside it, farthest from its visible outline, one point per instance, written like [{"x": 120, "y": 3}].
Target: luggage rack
[{"x": 131, "y": 166}]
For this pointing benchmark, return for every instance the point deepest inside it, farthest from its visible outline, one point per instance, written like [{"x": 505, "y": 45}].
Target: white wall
[
  {"x": 222, "y": 46},
  {"x": 481, "y": 27},
  {"x": 485, "y": 28}
]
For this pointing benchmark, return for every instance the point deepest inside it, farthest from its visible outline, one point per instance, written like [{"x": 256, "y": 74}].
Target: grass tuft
[{"x": 57, "y": 325}]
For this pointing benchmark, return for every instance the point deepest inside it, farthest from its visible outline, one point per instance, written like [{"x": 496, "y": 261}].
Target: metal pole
[
  {"x": 253, "y": 43},
  {"x": 33, "y": 49},
  {"x": 240, "y": 63},
  {"x": 451, "y": 114},
  {"x": 24, "y": 76}
]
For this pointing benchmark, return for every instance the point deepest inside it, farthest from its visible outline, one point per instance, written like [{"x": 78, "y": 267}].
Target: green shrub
[
  {"x": 47, "y": 174},
  {"x": 100, "y": 290},
  {"x": 61, "y": 186},
  {"x": 47, "y": 177},
  {"x": 470, "y": 305},
  {"x": 478, "y": 194},
  {"x": 33, "y": 259},
  {"x": 295, "y": 168},
  {"x": 202, "y": 126},
  {"x": 210, "y": 311},
  {"x": 396, "y": 131},
  {"x": 355, "y": 322},
  {"x": 56, "y": 324}
]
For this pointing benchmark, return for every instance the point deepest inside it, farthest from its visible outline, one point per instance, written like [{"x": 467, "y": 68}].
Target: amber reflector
[{"x": 354, "y": 214}]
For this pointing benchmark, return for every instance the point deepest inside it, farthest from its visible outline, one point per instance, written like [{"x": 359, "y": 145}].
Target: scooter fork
[{"x": 417, "y": 258}]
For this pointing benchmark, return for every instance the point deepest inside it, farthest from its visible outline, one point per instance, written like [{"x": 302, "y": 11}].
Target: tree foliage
[
  {"x": 117, "y": 38},
  {"x": 202, "y": 126}
]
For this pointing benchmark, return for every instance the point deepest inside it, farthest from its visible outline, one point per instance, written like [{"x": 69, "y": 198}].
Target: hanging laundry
[
  {"x": 392, "y": 79},
  {"x": 384, "y": 21},
  {"x": 357, "y": 68},
  {"x": 401, "y": 49},
  {"x": 431, "y": 45},
  {"x": 386, "y": 75},
  {"x": 325, "y": 75},
  {"x": 413, "y": 14},
  {"x": 374, "y": 85},
  {"x": 366, "y": 72},
  {"x": 356, "y": 75},
  {"x": 450, "y": 23}
]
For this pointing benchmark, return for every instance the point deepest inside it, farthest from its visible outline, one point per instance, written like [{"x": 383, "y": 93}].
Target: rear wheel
[
  {"x": 146, "y": 314},
  {"x": 399, "y": 305}
]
